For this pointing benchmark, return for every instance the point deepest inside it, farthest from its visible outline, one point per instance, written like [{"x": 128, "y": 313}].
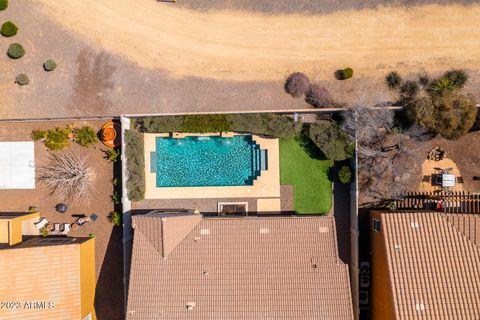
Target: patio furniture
[
  {"x": 448, "y": 180},
  {"x": 459, "y": 179},
  {"x": 49, "y": 227},
  {"x": 56, "y": 228},
  {"x": 61, "y": 208},
  {"x": 41, "y": 223},
  {"x": 74, "y": 226},
  {"x": 66, "y": 228},
  {"x": 80, "y": 221}
]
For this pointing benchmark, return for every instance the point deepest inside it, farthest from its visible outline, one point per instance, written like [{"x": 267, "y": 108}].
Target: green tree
[
  {"x": 451, "y": 115},
  {"x": 163, "y": 124},
  {"x": 57, "y": 138},
  {"x": 331, "y": 140},
  {"x": 86, "y": 136},
  {"x": 204, "y": 123}
]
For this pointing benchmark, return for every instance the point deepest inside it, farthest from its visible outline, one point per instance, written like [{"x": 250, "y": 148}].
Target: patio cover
[{"x": 17, "y": 165}]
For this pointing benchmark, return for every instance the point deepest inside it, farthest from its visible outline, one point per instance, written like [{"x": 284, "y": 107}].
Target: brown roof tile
[
  {"x": 248, "y": 268},
  {"x": 434, "y": 264}
]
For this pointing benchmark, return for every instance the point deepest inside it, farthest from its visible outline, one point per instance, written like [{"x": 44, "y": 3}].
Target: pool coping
[{"x": 267, "y": 185}]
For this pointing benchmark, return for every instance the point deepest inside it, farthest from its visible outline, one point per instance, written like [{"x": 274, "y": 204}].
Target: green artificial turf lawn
[{"x": 309, "y": 177}]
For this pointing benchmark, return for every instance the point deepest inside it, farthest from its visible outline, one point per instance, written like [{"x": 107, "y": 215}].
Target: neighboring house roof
[
  {"x": 434, "y": 264},
  {"x": 237, "y": 268},
  {"x": 43, "y": 278}
]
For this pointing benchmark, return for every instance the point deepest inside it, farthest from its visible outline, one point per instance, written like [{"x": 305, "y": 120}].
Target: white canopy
[
  {"x": 17, "y": 165},
  {"x": 448, "y": 180}
]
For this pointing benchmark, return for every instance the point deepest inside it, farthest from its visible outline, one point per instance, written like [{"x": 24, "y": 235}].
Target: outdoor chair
[
  {"x": 81, "y": 221},
  {"x": 41, "y": 223},
  {"x": 459, "y": 179},
  {"x": 56, "y": 228},
  {"x": 66, "y": 228}
]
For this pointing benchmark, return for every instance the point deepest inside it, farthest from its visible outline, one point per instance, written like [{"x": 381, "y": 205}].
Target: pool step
[
  {"x": 263, "y": 159},
  {"x": 153, "y": 162}
]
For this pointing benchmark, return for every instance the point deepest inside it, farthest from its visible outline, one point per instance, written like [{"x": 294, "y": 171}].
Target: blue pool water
[{"x": 206, "y": 161}]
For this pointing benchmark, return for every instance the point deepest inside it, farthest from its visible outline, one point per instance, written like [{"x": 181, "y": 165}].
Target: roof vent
[
  {"x": 190, "y": 306},
  {"x": 419, "y": 306},
  {"x": 323, "y": 229},
  {"x": 397, "y": 247},
  {"x": 264, "y": 230},
  {"x": 205, "y": 273},
  {"x": 204, "y": 231},
  {"x": 196, "y": 239},
  {"x": 414, "y": 224}
]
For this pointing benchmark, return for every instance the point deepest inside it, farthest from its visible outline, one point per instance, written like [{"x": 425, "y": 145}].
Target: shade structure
[{"x": 17, "y": 165}]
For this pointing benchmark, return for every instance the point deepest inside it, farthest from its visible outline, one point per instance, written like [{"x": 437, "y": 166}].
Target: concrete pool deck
[{"x": 267, "y": 185}]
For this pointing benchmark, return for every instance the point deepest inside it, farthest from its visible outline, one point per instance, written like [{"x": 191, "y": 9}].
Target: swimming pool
[{"x": 196, "y": 161}]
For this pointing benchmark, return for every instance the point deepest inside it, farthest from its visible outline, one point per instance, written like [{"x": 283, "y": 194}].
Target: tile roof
[
  {"x": 44, "y": 274},
  {"x": 434, "y": 264},
  {"x": 244, "y": 268}
]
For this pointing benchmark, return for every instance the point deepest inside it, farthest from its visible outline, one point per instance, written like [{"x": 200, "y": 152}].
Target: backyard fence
[{"x": 451, "y": 202}]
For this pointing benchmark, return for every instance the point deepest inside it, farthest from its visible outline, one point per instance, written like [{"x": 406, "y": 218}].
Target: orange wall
[
  {"x": 381, "y": 292},
  {"x": 87, "y": 277}
]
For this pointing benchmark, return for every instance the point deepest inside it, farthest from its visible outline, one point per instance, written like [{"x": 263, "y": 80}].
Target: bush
[
  {"x": 162, "y": 124},
  {"x": 423, "y": 80},
  {"x": 318, "y": 96},
  {"x": 22, "y": 79},
  {"x": 409, "y": 90},
  {"x": 86, "y": 136},
  {"x": 39, "y": 135},
  {"x": 296, "y": 85},
  {"x": 49, "y": 65},
  {"x": 345, "y": 175},
  {"x": 344, "y": 74},
  {"x": 116, "y": 218},
  {"x": 15, "y": 51},
  {"x": 113, "y": 155},
  {"x": 450, "y": 81},
  {"x": 43, "y": 232},
  {"x": 57, "y": 138},
  {"x": 9, "y": 29},
  {"x": 451, "y": 115},
  {"x": 135, "y": 165},
  {"x": 331, "y": 140},
  {"x": 279, "y": 126},
  {"x": 205, "y": 123},
  {"x": 3, "y": 4},
  {"x": 116, "y": 198},
  {"x": 393, "y": 80}
]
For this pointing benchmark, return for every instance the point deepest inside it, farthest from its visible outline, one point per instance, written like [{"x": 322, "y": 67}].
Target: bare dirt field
[
  {"x": 108, "y": 240},
  {"x": 144, "y": 56}
]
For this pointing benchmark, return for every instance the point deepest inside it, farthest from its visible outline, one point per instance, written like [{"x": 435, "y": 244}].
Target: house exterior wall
[
  {"x": 87, "y": 278},
  {"x": 15, "y": 226},
  {"x": 4, "y": 231},
  {"x": 381, "y": 290}
]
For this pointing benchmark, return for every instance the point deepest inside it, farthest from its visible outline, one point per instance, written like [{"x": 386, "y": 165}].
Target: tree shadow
[
  {"x": 92, "y": 83},
  {"x": 342, "y": 207},
  {"x": 309, "y": 146}
]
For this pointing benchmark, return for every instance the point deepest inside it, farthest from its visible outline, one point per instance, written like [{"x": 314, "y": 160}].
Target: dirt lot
[
  {"x": 151, "y": 57},
  {"x": 108, "y": 241}
]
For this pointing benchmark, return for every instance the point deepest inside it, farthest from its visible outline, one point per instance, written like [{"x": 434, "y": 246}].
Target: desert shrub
[
  {"x": 115, "y": 218},
  {"x": 49, "y": 65},
  {"x": 344, "y": 74},
  {"x": 39, "y": 135},
  {"x": 22, "y": 79},
  {"x": 450, "y": 81},
  {"x": 86, "y": 136},
  {"x": 409, "y": 90},
  {"x": 458, "y": 78},
  {"x": 9, "y": 29},
  {"x": 135, "y": 165},
  {"x": 57, "y": 138},
  {"x": 204, "y": 123},
  {"x": 162, "y": 124},
  {"x": 423, "y": 80},
  {"x": 393, "y": 80},
  {"x": 116, "y": 198},
  {"x": 296, "y": 84},
  {"x": 279, "y": 126},
  {"x": 450, "y": 115},
  {"x": 345, "y": 175},
  {"x": 318, "y": 96},
  {"x": 3, "y": 4},
  {"x": 331, "y": 140},
  {"x": 15, "y": 51},
  {"x": 112, "y": 155},
  {"x": 43, "y": 232}
]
